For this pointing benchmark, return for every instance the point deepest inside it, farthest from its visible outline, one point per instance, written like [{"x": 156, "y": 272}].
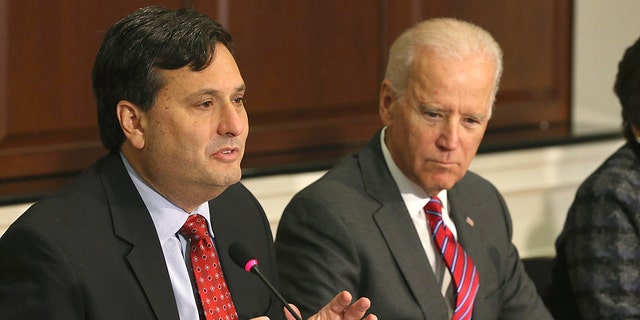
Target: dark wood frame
[{"x": 313, "y": 70}]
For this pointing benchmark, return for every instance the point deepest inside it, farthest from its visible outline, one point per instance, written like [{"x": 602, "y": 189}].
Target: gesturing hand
[{"x": 340, "y": 308}]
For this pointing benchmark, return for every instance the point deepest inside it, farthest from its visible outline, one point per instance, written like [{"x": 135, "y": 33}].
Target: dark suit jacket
[
  {"x": 350, "y": 230},
  {"x": 90, "y": 251}
]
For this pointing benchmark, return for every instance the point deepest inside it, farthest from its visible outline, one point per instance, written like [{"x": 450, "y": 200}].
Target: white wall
[
  {"x": 603, "y": 30},
  {"x": 538, "y": 184}
]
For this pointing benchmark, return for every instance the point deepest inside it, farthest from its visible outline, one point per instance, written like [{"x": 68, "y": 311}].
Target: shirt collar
[
  {"x": 413, "y": 196},
  {"x": 167, "y": 217}
]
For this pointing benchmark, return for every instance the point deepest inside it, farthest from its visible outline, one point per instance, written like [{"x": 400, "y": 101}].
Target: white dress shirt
[
  {"x": 415, "y": 199},
  {"x": 168, "y": 219}
]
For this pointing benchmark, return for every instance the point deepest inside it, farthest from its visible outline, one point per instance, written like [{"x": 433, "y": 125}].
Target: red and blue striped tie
[{"x": 463, "y": 271}]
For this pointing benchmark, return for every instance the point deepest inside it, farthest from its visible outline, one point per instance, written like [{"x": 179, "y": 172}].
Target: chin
[
  {"x": 439, "y": 183},
  {"x": 232, "y": 177},
  {"x": 222, "y": 178},
  {"x": 237, "y": 175}
]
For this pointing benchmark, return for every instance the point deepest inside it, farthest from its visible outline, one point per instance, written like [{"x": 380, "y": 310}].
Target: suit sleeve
[
  {"x": 36, "y": 281},
  {"x": 311, "y": 244}
]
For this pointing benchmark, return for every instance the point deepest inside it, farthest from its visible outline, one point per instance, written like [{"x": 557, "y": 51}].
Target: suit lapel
[
  {"x": 412, "y": 261},
  {"x": 398, "y": 230},
  {"x": 464, "y": 213},
  {"x": 132, "y": 222}
]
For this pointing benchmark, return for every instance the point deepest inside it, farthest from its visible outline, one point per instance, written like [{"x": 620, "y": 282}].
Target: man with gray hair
[{"x": 402, "y": 221}]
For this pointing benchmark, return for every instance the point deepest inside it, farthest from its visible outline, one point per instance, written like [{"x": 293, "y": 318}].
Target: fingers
[
  {"x": 340, "y": 302},
  {"x": 358, "y": 309},
  {"x": 340, "y": 308},
  {"x": 341, "y": 305},
  {"x": 288, "y": 314}
]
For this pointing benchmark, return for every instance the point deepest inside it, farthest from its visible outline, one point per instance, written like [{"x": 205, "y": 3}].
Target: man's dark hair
[
  {"x": 627, "y": 88},
  {"x": 136, "y": 47}
]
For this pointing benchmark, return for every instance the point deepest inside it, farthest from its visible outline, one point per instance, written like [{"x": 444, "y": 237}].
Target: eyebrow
[
  {"x": 435, "y": 108},
  {"x": 214, "y": 92},
  {"x": 430, "y": 107}
]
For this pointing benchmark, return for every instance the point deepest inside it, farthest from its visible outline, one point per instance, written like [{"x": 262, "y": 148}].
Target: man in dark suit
[
  {"x": 364, "y": 226},
  {"x": 110, "y": 245}
]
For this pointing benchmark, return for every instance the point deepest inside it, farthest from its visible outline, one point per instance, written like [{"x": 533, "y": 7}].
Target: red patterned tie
[
  {"x": 215, "y": 297},
  {"x": 462, "y": 269}
]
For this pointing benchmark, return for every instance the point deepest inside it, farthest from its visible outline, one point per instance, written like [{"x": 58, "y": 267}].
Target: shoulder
[
  {"x": 606, "y": 202},
  {"x": 344, "y": 189},
  {"x": 473, "y": 185},
  {"x": 237, "y": 190},
  {"x": 84, "y": 195},
  {"x": 618, "y": 176}
]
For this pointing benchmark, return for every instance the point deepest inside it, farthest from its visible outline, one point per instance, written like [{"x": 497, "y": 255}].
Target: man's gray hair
[{"x": 449, "y": 38}]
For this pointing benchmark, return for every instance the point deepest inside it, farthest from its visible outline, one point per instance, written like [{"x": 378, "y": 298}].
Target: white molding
[
  {"x": 537, "y": 184},
  {"x": 543, "y": 168}
]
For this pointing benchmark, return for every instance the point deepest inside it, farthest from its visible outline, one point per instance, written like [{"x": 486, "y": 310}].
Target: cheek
[
  {"x": 422, "y": 138},
  {"x": 470, "y": 147},
  {"x": 471, "y": 140},
  {"x": 192, "y": 131}
]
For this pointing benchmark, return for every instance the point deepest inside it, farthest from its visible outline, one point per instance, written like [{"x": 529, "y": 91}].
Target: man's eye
[
  {"x": 238, "y": 100},
  {"x": 472, "y": 120},
  {"x": 206, "y": 104}
]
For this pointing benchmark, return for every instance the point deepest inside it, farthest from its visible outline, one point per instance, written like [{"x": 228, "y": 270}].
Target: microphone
[{"x": 245, "y": 260}]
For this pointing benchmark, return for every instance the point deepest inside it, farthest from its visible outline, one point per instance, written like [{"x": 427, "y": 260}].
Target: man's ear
[
  {"x": 131, "y": 119},
  {"x": 386, "y": 102}
]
